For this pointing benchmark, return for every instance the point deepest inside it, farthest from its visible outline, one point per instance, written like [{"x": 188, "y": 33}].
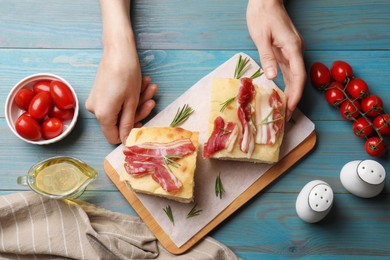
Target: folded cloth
[{"x": 34, "y": 227}]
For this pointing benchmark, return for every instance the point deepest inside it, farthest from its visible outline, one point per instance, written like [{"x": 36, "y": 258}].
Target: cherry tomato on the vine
[
  {"x": 23, "y": 98},
  {"x": 334, "y": 94},
  {"x": 28, "y": 127},
  {"x": 340, "y": 70},
  {"x": 41, "y": 85},
  {"x": 362, "y": 128},
  {"x": 349, "y": 110},
  {"x": 62, "y": 95},
  {"x": 51, "y": 128},
  {"x": 357, "y": 88},
  {"x": 40, "y": 105},
  {"x": 382, "y": 123},
  {"x": 319, "y": 75},
  {"x": 61, "y": 114},
  {"x": 372, "y": 105},
  {"x": 375, "y": 146}
]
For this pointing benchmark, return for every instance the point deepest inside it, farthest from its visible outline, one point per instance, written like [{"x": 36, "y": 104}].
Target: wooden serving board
[{"x": 269, "y": 176}]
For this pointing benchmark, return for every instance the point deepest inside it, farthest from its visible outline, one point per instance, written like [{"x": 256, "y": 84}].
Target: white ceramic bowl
[{"x": 12, "y": 111}]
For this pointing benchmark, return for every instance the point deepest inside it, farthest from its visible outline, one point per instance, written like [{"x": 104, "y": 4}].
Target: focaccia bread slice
[
  {"x": 258, "y": 135},
  {"x": 152, "y": 154}
]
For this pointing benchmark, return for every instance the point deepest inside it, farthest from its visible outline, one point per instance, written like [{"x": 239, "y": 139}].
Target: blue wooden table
[{"x": 181, "y": 41}]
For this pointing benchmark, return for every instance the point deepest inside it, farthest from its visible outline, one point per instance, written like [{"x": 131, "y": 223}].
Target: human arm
[
  {"x": 278, "y": 43},
  {"x": 119, "y": 98}
]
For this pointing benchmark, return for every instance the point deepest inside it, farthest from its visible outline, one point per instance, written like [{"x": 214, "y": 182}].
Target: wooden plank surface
[
  {"x": 202, "y": 24},
  {"x": 63, "y": 37}
]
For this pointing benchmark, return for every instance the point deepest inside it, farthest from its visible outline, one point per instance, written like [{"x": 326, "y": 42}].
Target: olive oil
[{"x": 59, "y": 177}]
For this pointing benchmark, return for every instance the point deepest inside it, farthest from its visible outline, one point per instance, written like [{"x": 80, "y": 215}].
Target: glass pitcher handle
[{"x": 22, "y": 180}]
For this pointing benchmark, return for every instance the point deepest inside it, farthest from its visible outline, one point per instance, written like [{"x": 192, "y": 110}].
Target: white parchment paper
[{"x": 236, "y": 176}]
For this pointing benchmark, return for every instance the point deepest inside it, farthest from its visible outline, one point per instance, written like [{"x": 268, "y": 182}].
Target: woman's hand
[
  {"x": 278, "y": 42},
  {"x": 119, "y": 98}
]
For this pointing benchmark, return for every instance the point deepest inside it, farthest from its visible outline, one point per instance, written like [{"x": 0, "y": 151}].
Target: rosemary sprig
[
  {"x": 241, "y": 67},
  {"x": 181, "y": 115},
  {"x": 194, "y": 212},
  {"x": 265, "y": 120},
  {"x": 224, "y": 131},
  {"x": 219, "y": 187},
  {"x": 252, "y": 123},
  {"x": 226, "y": 103},
  {"x": 169, "y": 213},
  {"x": 257, "y": 74},
  {"x": 168, "y": 160}
]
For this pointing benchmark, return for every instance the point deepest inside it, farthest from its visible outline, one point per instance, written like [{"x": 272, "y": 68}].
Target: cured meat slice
[
  {"x": 269, "y": 117},
  {"x": 246, "y": 94},
  {"x": 151, "y": 158},
  {"x": 181, "y": 147},
  {"x": 222, "y": 137}
]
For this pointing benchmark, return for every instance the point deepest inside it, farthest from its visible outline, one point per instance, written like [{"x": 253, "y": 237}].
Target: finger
[
  {"x": 126, "y": 122},
  {"x": 149, "y": 92},
  {"x": 268, "y": 60},
  {"x": 109, "y": 127},
  {"x": 145, "y": 82},
  {"x": 296, "y": 84},
  {"x": 138, "y": 125},
  {"x": 144, "y": 110}
]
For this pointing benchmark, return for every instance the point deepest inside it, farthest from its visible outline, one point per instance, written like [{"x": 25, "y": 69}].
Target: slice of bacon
[
  {"x": 269, "y": 125},
  {"x": 278, "y": 116},
  {"x": 148, "y": 158},
  {"x": 221, "y": 137},
  {"x": 245, "y": 110},
  {"x": 180, "y": 147}
]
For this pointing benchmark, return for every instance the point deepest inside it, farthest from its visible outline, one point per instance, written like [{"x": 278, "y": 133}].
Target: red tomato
[
  {"x": 27, "y": 127},
  {"x": 375, "y": 146},
  {"x": 349, "y": 110},
  {"x": 41, "y": 85},
  {"x": 372, "y": 105},
  {"x": 334, "y": 94},
  {"x": 357, "y": 88},
  {"x": 40, "y": 105},
  {"x": 382, "y": 123},
  {"x": 51, "y": 128},
  {"x": 340, "y": 70},
  {"x": 62, "y": 95},
  {"x": 362, "y": 128},
  {"x": 320, "y": 75},
  {"x": 23, "y": 98},
  {"x": 61, "y": 114}
]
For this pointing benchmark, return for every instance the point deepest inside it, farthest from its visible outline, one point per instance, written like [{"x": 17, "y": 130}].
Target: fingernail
[{"x": 271, "y": 73}]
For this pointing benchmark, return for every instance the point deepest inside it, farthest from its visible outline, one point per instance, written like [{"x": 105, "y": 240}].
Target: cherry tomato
[
  {"x": 40, "y": 105},
  {"x": 27, "y": 127},
  {"x": 61, "y": 114},
  {"x": 357, "y": 88},
  {"x": 362, "y": 128},
  {"x": 23, "y": 98},
  {"x": 382, "y": 123},
  {"x": 62, "y": 95},
  {"x": 340, "y": 70},
  {"x": 375, "y": 146},
  {"x": 41, "y": 85},
  {"x": 372, "y": 105},
  {"x": 52, "y": 127},
  {"x": 334, "y": 94},
  {"x": 349, "y": 110},
  {"x": 320, "y": 75}
]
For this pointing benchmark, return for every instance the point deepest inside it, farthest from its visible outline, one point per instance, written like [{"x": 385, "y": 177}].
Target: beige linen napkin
[{"x": 34, "y": 227}]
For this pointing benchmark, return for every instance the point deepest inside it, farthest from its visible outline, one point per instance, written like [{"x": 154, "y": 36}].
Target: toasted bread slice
[
  {"x": 184, "y": 170},
  {"x": 224, "y": 89}
]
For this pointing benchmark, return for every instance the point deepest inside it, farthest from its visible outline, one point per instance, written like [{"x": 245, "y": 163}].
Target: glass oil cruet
[{"x": 59, "y": 177}]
